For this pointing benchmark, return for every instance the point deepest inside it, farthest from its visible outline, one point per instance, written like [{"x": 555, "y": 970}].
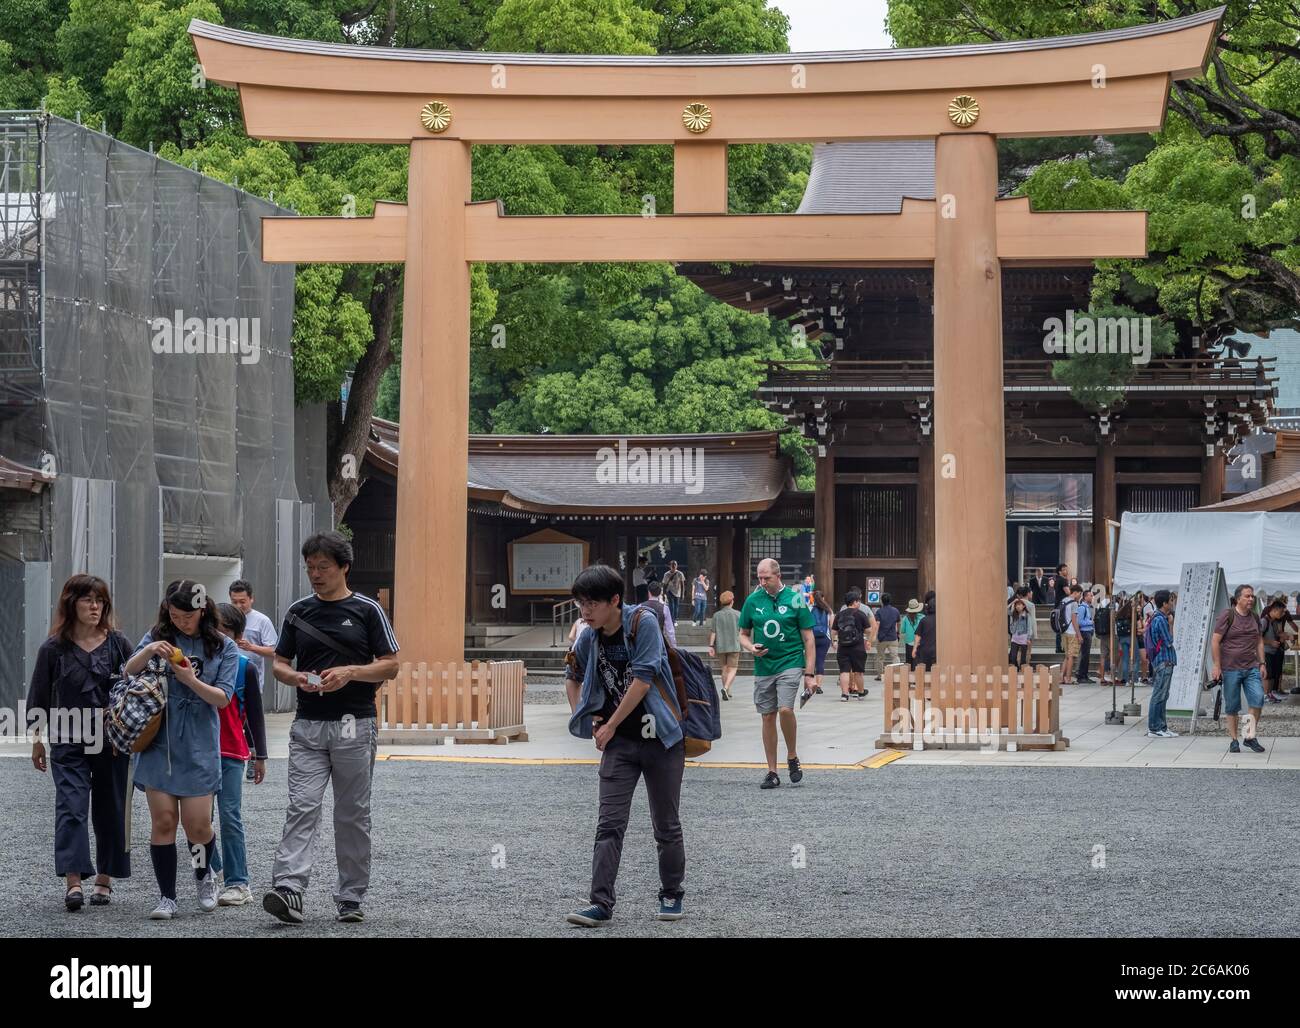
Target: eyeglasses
[{"x": 588, "y": 604}]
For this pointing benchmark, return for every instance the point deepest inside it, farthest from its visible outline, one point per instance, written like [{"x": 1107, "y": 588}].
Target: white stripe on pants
[{"x": 321, "y": 752}]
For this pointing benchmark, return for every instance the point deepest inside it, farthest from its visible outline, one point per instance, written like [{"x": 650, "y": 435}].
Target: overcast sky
[{"x": 835, "y": 24}]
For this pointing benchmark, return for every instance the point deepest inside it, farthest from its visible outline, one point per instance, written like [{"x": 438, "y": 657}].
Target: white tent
[{"x": 1258, "y": 548}]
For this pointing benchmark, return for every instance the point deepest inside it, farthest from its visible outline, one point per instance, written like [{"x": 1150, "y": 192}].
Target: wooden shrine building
[
  {"x": 552, "y": 497},
  {"x": 865, "y": 398}
]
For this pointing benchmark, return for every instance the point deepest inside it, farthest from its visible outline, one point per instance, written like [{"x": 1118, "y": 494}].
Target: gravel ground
[{"x": 918, "y": 851}]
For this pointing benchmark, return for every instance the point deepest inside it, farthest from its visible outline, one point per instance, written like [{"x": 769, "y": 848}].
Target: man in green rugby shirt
[{"x": 784, "y": 660}]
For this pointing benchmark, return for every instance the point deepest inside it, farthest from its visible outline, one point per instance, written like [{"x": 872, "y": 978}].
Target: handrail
[{"x": 562, "y": 616}]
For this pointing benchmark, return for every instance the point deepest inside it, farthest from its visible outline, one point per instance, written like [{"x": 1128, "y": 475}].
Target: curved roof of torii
[
  {"x": 207, "y": 30},
  {"x": 309, "y": 90}
]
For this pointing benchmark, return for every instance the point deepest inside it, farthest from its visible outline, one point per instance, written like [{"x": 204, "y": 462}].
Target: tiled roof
[
  {"x": 869, "y": 178},
  {"x": 21, "y": 477},
  {"x": 698, "y": 474}
]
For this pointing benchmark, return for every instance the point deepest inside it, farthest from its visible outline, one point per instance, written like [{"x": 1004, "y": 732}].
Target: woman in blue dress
[{"x": 181, "y": 769}]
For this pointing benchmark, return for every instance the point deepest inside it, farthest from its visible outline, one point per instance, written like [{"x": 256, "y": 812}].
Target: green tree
[
  {"x": 133, "y": 65},
  {"x": 1219, "y": 181}
]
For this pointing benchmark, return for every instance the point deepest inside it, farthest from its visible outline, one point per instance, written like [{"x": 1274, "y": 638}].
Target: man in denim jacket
[{"x": 621, "y": 692}]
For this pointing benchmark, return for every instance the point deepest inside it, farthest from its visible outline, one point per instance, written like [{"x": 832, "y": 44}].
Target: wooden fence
[
  {"x": 478, "y": 701},
  {"x": 969, "y": 707}
]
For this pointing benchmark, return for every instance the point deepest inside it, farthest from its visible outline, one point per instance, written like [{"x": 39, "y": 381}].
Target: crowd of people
[{"x": 335, "y": 648}]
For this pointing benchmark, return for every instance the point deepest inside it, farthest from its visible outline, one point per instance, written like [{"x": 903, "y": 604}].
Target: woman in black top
[
  {"x": 926, "y": 638},
  {"x": 67, "y": 699}
]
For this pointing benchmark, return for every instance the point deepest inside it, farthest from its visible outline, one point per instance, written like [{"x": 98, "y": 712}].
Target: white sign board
[
  {"x": 545, "y": 567},
  {"x": 1202, "y": 593}
]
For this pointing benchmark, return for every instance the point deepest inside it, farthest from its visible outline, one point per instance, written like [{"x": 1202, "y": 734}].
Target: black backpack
[
  {"x": 1058, "y": 614},
  {"x": 1101, "y": 621},
  {"x": 847, "y": 627}
]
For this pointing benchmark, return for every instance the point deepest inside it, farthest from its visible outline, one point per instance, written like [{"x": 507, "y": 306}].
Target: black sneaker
[
  {"x": 350, "y": 912},
  {"x": 1233, "y": 747},
  {"x": 771, "y": 781},
  {"x": 796, "y": 772},
  {"x": 284, "y": 903},
  {"x": 1252, "y": 744}
]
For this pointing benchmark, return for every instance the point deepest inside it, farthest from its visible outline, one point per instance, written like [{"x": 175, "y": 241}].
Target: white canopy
[{"x": 1258, "y": 548}]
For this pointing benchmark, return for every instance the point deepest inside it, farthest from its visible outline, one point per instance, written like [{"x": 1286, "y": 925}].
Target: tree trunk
[{"x": 350, "y": 437}]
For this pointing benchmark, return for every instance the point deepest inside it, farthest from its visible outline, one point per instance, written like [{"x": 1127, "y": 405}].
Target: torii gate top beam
[{"x": 310, "y": 91}]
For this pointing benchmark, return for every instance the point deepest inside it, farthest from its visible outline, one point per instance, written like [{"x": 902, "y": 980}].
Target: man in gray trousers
[{"x": 344, "y": 648}]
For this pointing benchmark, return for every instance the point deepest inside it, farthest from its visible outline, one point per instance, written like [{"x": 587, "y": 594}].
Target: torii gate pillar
[
  {"x": 969, "y": 445},
  {"x": 429, "y": 584}
]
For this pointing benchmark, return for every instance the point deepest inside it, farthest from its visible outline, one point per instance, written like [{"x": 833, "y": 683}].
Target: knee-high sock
[{"x": 164, "y": 867}]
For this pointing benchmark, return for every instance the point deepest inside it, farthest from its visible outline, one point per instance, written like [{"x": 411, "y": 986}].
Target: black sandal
[
  {"x": 74, "y": 898},
  {"x": 101, "y": 899}
]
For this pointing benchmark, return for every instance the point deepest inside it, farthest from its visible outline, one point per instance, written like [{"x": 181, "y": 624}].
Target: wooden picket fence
[
  {"x": 973, "y": 707},
  {"x": 476, "y": 701}
]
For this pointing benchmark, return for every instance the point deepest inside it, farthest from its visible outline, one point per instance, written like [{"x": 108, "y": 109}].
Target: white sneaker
[
  {"x": 1155, "y": 735},
  {"x": 235, "y": 896},
  {"x": 207, "y": 888},
  {"x": 1169, "y": 734},
  {"x": 164, "y": 911}
]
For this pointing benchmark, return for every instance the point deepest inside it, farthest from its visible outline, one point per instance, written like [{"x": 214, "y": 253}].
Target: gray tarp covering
[{"x": 182, "y": 453}]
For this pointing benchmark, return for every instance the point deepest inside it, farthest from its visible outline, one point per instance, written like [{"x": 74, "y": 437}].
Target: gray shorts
[{"x": 779, "y": 690}]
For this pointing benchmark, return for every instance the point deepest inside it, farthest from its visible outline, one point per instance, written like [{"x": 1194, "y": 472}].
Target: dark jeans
[
  {"x": 822, "y": 643},
  {"x": 89, "y": 788},
  {"x": 1162, "y": 676},
  {"x": 674, "y": 605},
  {"x": 623, "y": 762},
  {"x": 1085, "y": 652},
  {"x": 1019, "y": 654}
]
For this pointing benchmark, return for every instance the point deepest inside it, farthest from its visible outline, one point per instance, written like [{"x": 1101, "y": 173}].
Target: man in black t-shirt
[
  {"x": 611, "y": 670},
  {"x": 344, "y": 649}
]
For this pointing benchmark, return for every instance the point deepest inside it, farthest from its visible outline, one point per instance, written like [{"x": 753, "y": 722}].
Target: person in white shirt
[
  {"x": 260, "y": 635},
  {"x": 259, "y": 638}
]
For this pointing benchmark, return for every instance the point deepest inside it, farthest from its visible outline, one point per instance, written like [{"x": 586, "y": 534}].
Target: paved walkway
[{"x": 835, "y": 734}]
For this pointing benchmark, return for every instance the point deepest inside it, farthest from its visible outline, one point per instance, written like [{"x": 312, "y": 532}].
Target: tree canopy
[{"x": 559, "y": 348}]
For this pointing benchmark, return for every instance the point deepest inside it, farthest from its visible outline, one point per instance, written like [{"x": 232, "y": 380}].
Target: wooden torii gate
[{"x": 964, "y": 97}]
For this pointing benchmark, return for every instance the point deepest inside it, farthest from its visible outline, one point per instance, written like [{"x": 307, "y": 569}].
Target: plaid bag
[{"x": 136, "y": 706}]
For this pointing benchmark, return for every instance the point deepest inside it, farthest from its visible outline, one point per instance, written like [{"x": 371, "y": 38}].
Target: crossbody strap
[{"x": 325, "y": 640}]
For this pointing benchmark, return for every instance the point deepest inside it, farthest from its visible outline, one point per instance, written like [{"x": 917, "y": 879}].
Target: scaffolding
[{"x": 145, "y": 360}]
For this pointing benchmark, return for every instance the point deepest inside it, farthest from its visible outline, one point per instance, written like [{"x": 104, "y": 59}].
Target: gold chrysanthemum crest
[
  {"x": 435, "y": 116},
  {"x": 963, "y": 111},
  {"x": 697, "y": 118}
]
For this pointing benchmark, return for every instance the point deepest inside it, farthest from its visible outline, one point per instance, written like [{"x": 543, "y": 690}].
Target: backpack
[
  {"x": 849, "y": 631},
  {"x": 136, "y": 706},
  {"x": 1059, "y": 624},
  {"x": 1101, "y": 621},
  {"x": 697, "y": 697}
]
